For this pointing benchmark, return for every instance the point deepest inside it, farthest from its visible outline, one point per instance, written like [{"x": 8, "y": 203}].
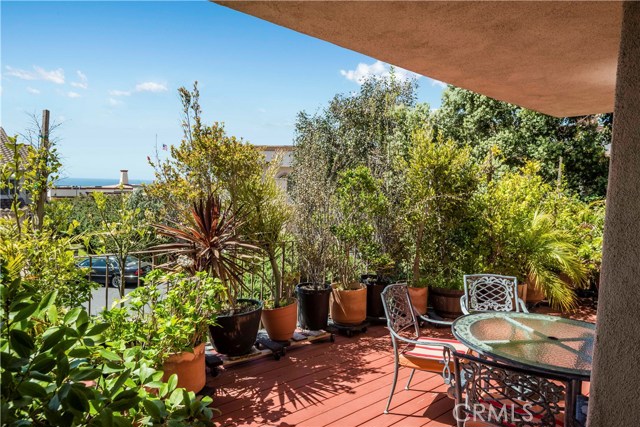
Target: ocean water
[{"x": 88, "y": 182}]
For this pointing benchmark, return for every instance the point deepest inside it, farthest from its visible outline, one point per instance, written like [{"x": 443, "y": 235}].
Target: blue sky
[{"x": 108, "y": 71}]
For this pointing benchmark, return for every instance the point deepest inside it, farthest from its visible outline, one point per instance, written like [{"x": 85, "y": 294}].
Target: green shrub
[{"x": 57, "y": 370}]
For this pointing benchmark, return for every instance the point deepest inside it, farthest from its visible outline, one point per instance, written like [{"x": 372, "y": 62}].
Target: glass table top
[{"x": 549, "y": 343}]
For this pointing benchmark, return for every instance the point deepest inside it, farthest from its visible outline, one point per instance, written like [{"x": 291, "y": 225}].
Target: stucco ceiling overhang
[{"x": 556, "y": 57}]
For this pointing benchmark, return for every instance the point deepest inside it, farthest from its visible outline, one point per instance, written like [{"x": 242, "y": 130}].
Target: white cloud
[
  {"x": 113, "y": 102},
  {"x": 151, "y": 87},
  {"x": 119, "y": 93},
  {"x": 32, "y": 90},
  {"x": 73, "y": 95},
  {"x": 377, "y": 69},
  {"x": 435, "y": 82},
  {"x": 83, "y": 82},
  {"x": 38, "y": 73}
]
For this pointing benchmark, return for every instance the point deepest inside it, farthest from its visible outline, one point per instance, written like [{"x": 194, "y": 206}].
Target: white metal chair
[
  {"x": 491, "y": 292},
  {"x": 411, "y": 349}
]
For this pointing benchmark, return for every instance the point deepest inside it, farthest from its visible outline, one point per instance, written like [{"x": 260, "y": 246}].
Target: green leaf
[
  {"x": 48, "y": 300},
  {"x": 44, "y": 363},
  {"x": 97, "y": 329},
  {"x": 85, "y": 374},
  {"x": 77, "y": 399},
  {"x": 72, "y": 315},
  {"x": 25, "y": 312},
  {"x": 80, "y": 352},
  {"x": 173, "y": 382},
  {"x": 32, "y": 389},
  {"x": 109, "y": 355},
  {"x": 21, "y": 342},
  {"x": 51, "y": 338},
  {"x": 154, "y": 409}
]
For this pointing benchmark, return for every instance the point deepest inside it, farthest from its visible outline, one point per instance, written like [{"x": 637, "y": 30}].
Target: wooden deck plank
[{"x": 341, "y": 384}]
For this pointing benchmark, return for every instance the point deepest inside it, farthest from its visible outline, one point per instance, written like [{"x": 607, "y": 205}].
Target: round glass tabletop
[{"x": 536, "y": 341}]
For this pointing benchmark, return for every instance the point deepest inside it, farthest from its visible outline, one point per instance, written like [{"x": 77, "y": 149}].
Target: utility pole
[{"x": 42, "y": 172}]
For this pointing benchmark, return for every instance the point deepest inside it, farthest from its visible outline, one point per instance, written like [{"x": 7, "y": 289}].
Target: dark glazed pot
[
  {"x": 234, "y": 335},
  {"x": 375, "y": 287},
  {"x": 313, "y": 305}
]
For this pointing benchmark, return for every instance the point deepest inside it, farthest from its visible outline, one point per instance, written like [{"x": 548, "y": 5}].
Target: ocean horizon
[{"x": 94, "y": 182}]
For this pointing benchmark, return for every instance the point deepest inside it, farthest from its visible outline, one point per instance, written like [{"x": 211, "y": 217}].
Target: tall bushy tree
[
  {"x": 522, "y": 135},
  {"x": 440, "y": 182}
]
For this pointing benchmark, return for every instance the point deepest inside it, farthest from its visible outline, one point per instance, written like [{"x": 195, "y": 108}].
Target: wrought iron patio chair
[
  {"x": 410, "y": 348},
  {"x": 491, "y": 394},
  {"x": 491, "y": 292}
]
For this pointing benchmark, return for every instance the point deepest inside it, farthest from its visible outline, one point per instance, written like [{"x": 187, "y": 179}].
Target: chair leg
[
  {"x": 393, "y": 387},
  {"x": 413, "y": 371}
]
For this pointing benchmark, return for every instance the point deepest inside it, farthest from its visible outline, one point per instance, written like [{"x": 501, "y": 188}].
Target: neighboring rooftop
[{"x": 5, "y": 152}]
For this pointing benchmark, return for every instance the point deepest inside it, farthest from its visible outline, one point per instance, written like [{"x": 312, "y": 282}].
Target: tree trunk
[
  {"x": 416, "y": 259},
  {"x": 277, "y": 275}
]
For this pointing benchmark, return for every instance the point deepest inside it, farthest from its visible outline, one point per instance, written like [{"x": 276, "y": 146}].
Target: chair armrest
[
  {"x": 437, "y": 322},
  {"x": 463, "y": 304}
]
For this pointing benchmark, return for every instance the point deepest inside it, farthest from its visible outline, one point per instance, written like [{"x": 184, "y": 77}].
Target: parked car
[{"x": 134, "y": 270}]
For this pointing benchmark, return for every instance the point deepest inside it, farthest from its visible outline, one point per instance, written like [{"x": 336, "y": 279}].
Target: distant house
[
  {"x": 270, "y": 151},
  {"x": 7, "y": 194},
  {"x": 67, "y": 191}
]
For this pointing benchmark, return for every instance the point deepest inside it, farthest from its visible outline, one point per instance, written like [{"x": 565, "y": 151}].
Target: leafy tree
[
  {"x": 206, "y": 162},
  {"x": 360, "y": 204},
  {"x": 522, "y": 135},
  {"x": 440, "y": 182}
]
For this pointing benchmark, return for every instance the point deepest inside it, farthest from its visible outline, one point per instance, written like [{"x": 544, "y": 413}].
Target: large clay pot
[
  {"x": 313, "y": 305},
  {"x": 418, "y": 297},
  {"x": 280, "y": 322},
  {"x": 235, "y": 334},
  {"x": 446, "y": 302},
  {"x": 375, "y": 287},
  {"x": 349, "y": 307},
  {"x": 534, "y": 295},
  {"x": 189, "y": 367}
]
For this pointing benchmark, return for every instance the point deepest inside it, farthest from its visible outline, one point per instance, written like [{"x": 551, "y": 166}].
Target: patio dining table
[{"x": 540, "y": 343}]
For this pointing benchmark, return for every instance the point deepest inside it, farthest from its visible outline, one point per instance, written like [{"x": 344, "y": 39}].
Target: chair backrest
[
  {"x": 491, "y": 292},
  {"x": 398, "y": 308},
  {"x": 489, "y": 392}
]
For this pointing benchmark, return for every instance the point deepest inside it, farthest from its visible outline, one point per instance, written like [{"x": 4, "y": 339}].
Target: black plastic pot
[
  {"x": 235, "y": 334},
  {"x": 375, "y": 286},
  {"x": 313, "y": 305}
]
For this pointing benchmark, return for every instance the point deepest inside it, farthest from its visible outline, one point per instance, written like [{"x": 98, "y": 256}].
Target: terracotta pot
[
  {"x": 534, "y": 295},
  {"x": 418, "y": 297},
  {"x": 189, "y": 367},
  {"x": 280, "y": 323},
  {"x": 349, "y": 307},
  {"x": 446, "y": 302}
]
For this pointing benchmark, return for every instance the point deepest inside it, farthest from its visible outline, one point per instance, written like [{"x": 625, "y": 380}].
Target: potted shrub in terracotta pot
[
  {"x": 418, "y": 294},
  {"x": 210, "y": 240},
  {"x": 168, "y": 319},
  {"x": 280, "y": 316}
]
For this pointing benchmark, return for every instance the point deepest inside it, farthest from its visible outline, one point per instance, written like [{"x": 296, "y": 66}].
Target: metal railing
[{"x": 257, "y": 283}]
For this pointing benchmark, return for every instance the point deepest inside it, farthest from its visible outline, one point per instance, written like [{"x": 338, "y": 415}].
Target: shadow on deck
[{"x": 345, "y": 384}]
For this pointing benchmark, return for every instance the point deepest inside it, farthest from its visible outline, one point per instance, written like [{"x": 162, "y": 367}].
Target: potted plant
[
  {"x": 267, "y": 217},
  {"x": 359, "y": 204},
  {"x": 210, "y": 241},
  {"x": 419, "y": 294},
  {"x": 313, "y": 214},
  {"x": 168, "y": 319}
]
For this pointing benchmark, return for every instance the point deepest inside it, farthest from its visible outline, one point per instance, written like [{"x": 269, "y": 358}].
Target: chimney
[{"x": 124, "y": 177}]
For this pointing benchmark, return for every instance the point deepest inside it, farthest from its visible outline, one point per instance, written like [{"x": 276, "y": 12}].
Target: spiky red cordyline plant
[{"x": 211, "y": 239}]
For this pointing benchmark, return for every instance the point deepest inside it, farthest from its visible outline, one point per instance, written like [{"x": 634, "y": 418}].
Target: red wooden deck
[{"x": 345, "y": 384}]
